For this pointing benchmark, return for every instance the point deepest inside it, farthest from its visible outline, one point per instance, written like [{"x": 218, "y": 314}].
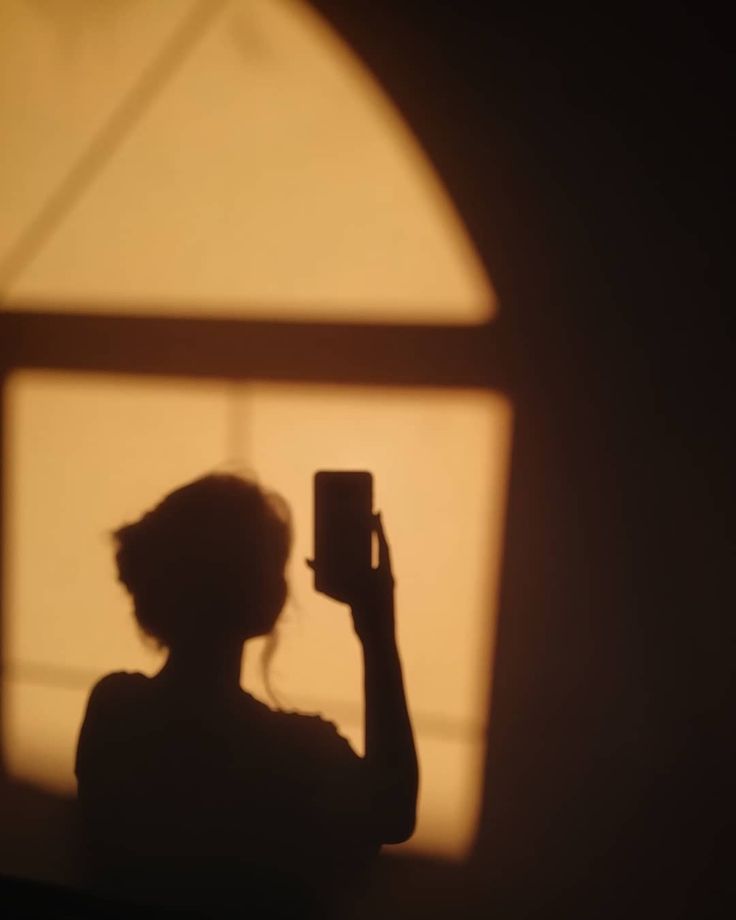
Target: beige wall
[{"x": 88, "y": 452}]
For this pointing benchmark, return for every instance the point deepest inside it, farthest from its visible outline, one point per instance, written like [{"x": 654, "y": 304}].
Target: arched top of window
[{"x": 222, "y": 159}]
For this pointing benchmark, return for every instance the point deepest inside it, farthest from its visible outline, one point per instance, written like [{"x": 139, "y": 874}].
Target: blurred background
[{"x": 473, "y": 252}]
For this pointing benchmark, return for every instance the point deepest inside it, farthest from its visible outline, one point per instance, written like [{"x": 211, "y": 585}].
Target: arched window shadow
[{"x": 72, "y": 343}]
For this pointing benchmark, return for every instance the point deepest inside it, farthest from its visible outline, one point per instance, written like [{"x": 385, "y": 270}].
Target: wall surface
[
  {"x": 591, "y": 176},
  {"x": 585, "y": 153}
]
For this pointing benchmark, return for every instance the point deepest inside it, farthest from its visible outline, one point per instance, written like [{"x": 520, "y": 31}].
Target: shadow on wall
[
  {"x": 406, "y": 886},
  {"x": 53, "y": 856}
]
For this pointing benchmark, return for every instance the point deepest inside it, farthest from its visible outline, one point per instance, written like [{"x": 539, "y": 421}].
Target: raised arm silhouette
[{"x": 191, "y": 791}]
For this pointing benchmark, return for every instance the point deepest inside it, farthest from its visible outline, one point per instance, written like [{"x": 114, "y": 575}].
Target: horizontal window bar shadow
[
  {"x": 64, "y": 678},
  {"x": 340, "y": 353}
]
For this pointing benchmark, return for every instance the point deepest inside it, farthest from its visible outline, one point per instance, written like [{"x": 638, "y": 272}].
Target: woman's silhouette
[{"x": 191, "y": 790}]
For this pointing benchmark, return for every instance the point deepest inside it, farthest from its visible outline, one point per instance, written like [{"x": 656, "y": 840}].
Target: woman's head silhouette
[{"x": 207, "y": 563}]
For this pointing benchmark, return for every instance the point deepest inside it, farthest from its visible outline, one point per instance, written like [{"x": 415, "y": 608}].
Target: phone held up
[{"x": 343, "y": 530}]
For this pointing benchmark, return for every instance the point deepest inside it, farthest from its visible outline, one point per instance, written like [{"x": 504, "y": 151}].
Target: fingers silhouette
[{"x": 384, "y": 552}]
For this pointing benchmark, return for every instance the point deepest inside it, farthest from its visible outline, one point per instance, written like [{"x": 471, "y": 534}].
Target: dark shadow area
[
  {"x": 193, "y": 793},
  {"x": 43, "y": 875},
  {"x": 587, "y": 150},
  {"x": 39, "y": 835}
]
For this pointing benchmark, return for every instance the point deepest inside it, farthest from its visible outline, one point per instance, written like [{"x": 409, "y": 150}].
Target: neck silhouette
[{"x": 208, "y": 669}]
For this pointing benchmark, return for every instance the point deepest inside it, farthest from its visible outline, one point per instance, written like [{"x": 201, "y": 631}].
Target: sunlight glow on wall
[
  {"x": 88, "y": 452},
  {"x": 267, "y": 176},
  {"x": 234, "y": 158}
]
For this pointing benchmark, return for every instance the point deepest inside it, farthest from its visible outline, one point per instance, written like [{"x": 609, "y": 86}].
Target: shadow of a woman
[{"x": 191, "y": 791}]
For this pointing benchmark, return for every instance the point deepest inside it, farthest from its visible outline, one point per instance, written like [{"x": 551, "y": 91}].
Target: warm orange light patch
[
  {"x": 86, "y": 453},
  {"x": 267, "y": 176}
]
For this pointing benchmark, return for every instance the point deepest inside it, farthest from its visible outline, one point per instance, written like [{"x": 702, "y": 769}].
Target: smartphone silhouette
[{"x": 343, "y": 527}]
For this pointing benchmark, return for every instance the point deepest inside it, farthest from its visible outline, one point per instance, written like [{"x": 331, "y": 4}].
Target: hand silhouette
[{"x": 371, "y": 598}]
